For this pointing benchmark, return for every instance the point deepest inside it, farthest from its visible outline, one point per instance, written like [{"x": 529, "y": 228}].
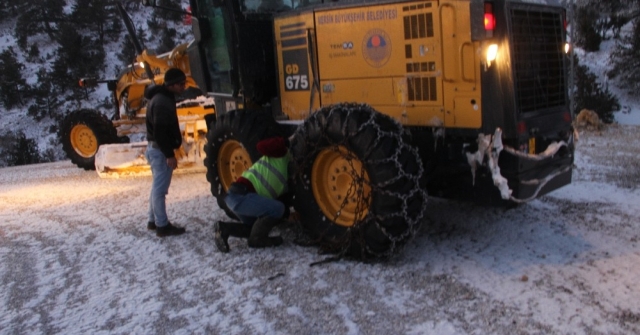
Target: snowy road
[{"x": 76, "y": 258}]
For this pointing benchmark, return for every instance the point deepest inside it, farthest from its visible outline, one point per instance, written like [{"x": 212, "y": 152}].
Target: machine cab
[{"x": 236, "y": 49}]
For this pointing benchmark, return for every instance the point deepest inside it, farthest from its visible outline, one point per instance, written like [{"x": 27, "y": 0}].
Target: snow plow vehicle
[
  {"x": 387, "y": 101},
  {"x": 93, "y": 141}
]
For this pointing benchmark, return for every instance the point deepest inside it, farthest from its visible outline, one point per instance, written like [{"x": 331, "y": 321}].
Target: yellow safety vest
[{"x": 269, "y": 176}]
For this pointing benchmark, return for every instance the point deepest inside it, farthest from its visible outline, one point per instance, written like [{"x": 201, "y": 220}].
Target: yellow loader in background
[{"x": 92, "y": 141}]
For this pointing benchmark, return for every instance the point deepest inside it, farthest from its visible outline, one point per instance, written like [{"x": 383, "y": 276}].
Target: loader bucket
[{"x": 128, "y": 160}]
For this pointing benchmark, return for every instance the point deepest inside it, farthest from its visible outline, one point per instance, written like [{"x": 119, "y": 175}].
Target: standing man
[
  {"x": 163, "y": 135},
  {"x": 254, "y": 198}
]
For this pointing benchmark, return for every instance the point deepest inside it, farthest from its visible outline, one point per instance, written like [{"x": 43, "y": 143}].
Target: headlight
[{"x": 492, "y": 53}]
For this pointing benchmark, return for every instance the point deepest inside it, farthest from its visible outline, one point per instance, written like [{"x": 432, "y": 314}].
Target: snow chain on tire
[{"x": 376, "y": 159}]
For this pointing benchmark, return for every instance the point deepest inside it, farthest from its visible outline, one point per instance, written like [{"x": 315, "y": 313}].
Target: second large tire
[
  {"x": 82, "y": 132},
  {"x": 357, "y": 185},
  {"x": 231, "y": 148}
]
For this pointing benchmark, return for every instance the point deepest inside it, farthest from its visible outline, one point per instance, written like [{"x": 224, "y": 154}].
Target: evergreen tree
[
  {"x": 46, "y": 97},
  {"x": 93, "y": 15},
  {"x": 38, "y": 16},
  {"x": 626, "y": 60},
  {"x": 617, "y": 22},
  {"x": 612, "y": 15},
  {"x": 115, "y": 29},
  {"x": 130, "y": 5},
  {"x": 127, "y": 54},
  {"x": 169, "y": 15},
  {"x": 590, "y": 94},
  {"x": 5, "y": 10},
  {"x": 154, "y": 25},
  {"x": 13, "y": 87},
  {"x": 586, "y": 35},
  {"x": 142, "y": 37},
  {"x": 34, "y": 53},
  {"x": 167, "y": 42},
  {"x": 78, "y": 56},
  {"x": 23, "y": 151}
]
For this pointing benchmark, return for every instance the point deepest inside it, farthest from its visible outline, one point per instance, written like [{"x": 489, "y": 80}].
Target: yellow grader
[
  {"x": 386, "y": 100},
  {"x": 93, "y": 141}
]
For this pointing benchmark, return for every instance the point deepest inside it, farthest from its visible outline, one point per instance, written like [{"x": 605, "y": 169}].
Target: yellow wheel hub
[
  {"x": 341, "y": 186},
  {"x": 84, "y": 141},
  {"x": 233, "y": 160}
]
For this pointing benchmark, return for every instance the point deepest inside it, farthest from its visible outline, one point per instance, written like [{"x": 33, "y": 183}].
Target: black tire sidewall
[{"x": 100, "y": 125}]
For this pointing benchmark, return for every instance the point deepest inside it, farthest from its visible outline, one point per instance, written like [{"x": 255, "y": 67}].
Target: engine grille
[{"x": 538, "y": 58}]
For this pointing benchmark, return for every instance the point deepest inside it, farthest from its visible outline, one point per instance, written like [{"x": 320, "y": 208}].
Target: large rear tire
[
  {"x": 82, "y": 133},
  {"x": 231, "y": 148},
  {"x": 357, "y": 185}
]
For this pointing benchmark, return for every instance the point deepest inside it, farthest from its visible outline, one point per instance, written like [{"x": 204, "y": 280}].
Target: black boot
[
  {"x": 259, "y": 237},
  {"x": 169, "y": 230},
  {"x": 222, "y": 230}
]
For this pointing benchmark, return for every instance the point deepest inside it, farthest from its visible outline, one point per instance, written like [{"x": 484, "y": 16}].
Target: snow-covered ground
[{"x": 76, "y": 258}]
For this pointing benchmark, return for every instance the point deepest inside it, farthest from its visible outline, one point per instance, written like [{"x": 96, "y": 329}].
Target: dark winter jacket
[{"x": 162, "y": 120}]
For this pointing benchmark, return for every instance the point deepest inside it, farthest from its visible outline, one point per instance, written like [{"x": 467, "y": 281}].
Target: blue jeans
[
  {"x": 251, "y": 206},
  {"x": 160, "y": 187}
]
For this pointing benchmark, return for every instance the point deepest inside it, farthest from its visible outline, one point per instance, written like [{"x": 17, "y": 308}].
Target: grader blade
[{"x": 128, "y": 160}]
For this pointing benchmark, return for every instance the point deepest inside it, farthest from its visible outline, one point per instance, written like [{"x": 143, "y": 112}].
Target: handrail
[
  {"x": 444, "y": 75},
  {"x": 462, "y": 74}
]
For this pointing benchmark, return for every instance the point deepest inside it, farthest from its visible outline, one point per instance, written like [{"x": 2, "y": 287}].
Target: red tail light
[
  {"x": 521, "y": 128},
  {"x": 489, "y": 19}
]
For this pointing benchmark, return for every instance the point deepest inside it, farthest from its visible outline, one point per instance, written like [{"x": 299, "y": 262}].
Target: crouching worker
[{"x": 253, "y": 198}]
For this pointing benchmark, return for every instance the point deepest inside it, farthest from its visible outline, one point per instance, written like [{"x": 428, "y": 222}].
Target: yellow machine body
[
  {"x": 414, "y": 61},
  {"x": 133, "y": 80}
]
